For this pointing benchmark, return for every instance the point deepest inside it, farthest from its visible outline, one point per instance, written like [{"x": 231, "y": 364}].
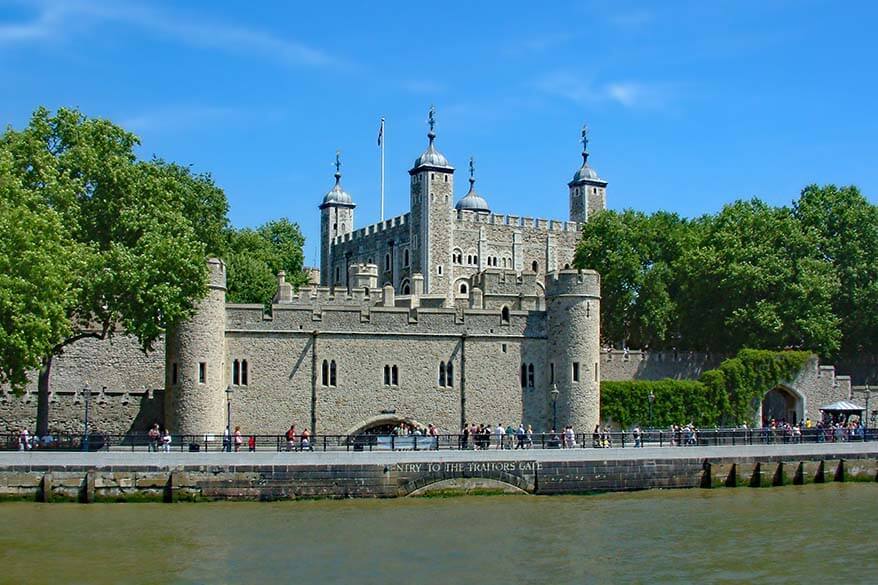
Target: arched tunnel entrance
[{"x": 783, "y": 405}]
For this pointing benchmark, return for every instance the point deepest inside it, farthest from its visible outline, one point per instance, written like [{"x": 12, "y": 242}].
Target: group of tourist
[
  {"x": 298, "y": 441},
  {"x": 158, "y": 439}
]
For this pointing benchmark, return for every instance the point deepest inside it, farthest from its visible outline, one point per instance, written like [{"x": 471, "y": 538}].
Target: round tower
[
  {"x": 195, "y": 380},
  {"x": 573, "y": 353}
]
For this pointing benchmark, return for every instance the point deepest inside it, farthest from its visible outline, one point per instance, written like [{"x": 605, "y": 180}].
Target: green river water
[{"x": 810, "y": 534}]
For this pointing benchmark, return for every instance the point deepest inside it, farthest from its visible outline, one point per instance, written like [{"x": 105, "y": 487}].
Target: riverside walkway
[{"x": 99, "y": 459}]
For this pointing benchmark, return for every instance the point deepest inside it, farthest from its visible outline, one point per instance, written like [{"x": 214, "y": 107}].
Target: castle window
[
  {"x": 369, "y": 261},
  {"x": 475, "y": 259},
  {"x": 594, "y": 190},
  {"x": 449, "y": 375},
  {"x": 524, "y": 375},
  {"x": 406, "y": 289},
  {"x": 394, "y": 376},
  {"x": 595, "y": 371},
  {"x": 405, "y": 258},
  {"x": 439, "y": 269},
  {"x": 588, "y": 309},
  {"x": 530, "y": 376},
  {"x": 432, "y": 176},
  {"x": 324, "y": 374},
  {"x": 566, "y": 267},
  {"x": 464, "y": 289},
  {"x": 244, "y": 373},
  {"x": 386, "y": 262},
  {"x": 535, "y": 266},
  {"x": 446, "y": 180},
  {"x": 336, "y": 274},
  {"x": 387, "y": 375},
  {"x": 442, "y": 374},
  {"x": 335, "y": 227},
  {"x": 503, "y": 347},
  {"x": 504, "y": 315},
  {"x": 552, "y": 373},
  {"x": 236, "y": 372},
  {"x": 174, "y": 374},
  {"x": 202, "y": 372},
  {"x": 576, "y": 371},
  {"x": 332, "y": 379}
]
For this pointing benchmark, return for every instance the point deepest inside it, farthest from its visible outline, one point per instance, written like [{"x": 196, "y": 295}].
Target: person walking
[
  {"x": 154, "y": 436},
  {"x": 227, "y": 440},
  {"x": 291, "y": 438},
  {"x": 305, "y": 442},
  {"x": 239, "y": 439},
  {"x": 251, "y": 443}
]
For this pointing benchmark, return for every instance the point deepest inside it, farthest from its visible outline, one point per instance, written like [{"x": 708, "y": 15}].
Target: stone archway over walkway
[
  {"x": 782, "y": 402},
  {"x": 381, "y": 420}
]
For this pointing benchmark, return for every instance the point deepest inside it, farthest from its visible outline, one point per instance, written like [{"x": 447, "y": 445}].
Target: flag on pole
[{"x": 381, "y": 132}]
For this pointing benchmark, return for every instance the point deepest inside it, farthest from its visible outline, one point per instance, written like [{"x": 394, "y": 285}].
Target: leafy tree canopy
[
  {"x": 255, "y": 256},
  {"x": 137, "y": 231},
  {"x": 751, "y": 275}
]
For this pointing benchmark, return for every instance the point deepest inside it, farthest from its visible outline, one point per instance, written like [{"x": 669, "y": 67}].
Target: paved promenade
[{"x": 262, "y": 458}]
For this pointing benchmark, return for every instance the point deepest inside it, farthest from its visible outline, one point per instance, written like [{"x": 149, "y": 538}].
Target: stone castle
[{"x": 446, "y": 314}]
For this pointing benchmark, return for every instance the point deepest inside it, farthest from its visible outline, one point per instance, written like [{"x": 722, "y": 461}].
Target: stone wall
[
  {"x": 192, "y": 480},
  {"x": 132, "y": 400},
  {"x": 656, "y": 365}
]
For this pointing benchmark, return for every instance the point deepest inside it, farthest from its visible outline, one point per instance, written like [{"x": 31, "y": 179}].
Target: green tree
[
  {"x": 142, "y": 229},
  {"x": 636, "y": 255},
  {"x": 846, "y": 227},
  {"x": 255, "y": 257},
  {"x": 37, "y": 263},
  {"x": 755, "y": 278}
]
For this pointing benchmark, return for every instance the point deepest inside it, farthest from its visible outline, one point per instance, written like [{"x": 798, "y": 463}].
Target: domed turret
[
  {"x": 431, "y": 157},
  {"x": 337, "y": 195},
  {"x": 472, "y": 201},
  {"x": 588, "y": 191}
]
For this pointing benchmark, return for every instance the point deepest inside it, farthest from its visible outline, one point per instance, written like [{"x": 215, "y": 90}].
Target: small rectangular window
[
  {"x": 595, "y": 371},
  {"x": 503, "y": 347},
  {"x": 552, "y": 373},
  {"x": 202, "y": 372},
  {"x": 174, "y": 373},
  {"x": 576, "y": 371}
]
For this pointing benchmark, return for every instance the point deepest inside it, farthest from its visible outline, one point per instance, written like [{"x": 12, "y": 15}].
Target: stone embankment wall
[{"x": 272, "y": 482}]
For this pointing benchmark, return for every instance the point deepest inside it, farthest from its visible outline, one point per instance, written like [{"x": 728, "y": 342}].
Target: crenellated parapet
[
  {"x": 387, "y": 225},
  {"x": 515, "y": 221}
]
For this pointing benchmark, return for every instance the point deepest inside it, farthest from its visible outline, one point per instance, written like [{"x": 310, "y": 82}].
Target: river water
[{"x": 817, "y": 533}]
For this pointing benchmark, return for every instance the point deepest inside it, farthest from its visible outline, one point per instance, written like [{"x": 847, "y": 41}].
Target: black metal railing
[{"x": 96, "y": 441}]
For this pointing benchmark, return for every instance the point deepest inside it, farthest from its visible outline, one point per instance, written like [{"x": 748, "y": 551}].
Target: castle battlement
[
  {"x": 538, "y": 224},
  {"x": 375, "y": 228},
  {"x": 573, "y": 283}
]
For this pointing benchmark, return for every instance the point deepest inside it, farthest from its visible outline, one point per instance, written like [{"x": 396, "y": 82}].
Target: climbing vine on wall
[{"x": 726, "y": 395}]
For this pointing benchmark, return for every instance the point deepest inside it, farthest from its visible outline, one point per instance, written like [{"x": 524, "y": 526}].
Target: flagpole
[{"x": 381, "y": 142}]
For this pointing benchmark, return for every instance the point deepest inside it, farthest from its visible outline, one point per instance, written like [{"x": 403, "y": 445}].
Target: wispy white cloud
[
  {"x": 585, "y": 91},
  {"x": 53, "y": 20}
]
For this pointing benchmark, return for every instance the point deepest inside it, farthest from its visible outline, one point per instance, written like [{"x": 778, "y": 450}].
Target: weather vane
[
  {"x": 431, "y": 117},
  {"x": 472, "y": 170},
  {"x": 584, "y": 138},
  {"x": 338, "y": 163}
]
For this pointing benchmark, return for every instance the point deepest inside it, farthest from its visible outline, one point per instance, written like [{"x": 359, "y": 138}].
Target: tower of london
[{"x": 447, "y": 314}]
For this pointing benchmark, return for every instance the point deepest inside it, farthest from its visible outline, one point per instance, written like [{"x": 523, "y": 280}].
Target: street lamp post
[
  {"x": 651, "y": 398},
  {"x": 555, "y": 394},
  {"x": 229, "y": 416},
  {"x": 87, "y": 392}
]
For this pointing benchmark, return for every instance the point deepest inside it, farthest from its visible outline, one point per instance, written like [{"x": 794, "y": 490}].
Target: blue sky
[{"x": 690, "y": 104}]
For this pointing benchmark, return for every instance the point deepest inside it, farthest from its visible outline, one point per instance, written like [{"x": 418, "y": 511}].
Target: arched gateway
[
  {"x": 782, "y": 403},
  {"x": 382, "y": 424}
]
